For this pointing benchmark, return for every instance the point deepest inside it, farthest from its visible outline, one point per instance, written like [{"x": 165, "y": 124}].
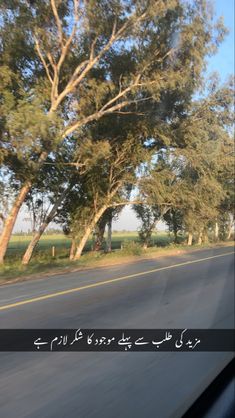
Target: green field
[
  {"x": 125, "y": 246},
  {"x": 19, "y": 243},
  {"x": 43, "y": 261}
]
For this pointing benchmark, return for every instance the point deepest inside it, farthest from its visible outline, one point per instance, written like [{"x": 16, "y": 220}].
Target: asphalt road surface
[{"x": 194, "y": 290}]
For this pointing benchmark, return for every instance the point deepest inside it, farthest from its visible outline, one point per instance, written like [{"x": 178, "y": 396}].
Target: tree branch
[
  {"x": 37, "y": 47},
  {"x": 92, "y": 61},
  {"x": 58, "y": 23},
  {"x": 65, "y": 47}
]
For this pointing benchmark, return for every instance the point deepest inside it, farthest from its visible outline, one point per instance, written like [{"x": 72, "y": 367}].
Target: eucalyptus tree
[
  {"x": 5, "y": 193},
  {"x": 206, "y": 158},
  {"x": 149, "y": 216},
  {"x": 105, "y": 185},
  {"x": 174, "y": 220},
  {"x": 194, "y": 175},
  {"x": 159, "y": 190},
  {"x": 69, "y": 63},
  {"x": 227, "y": 205},
  {"x": 105, "y": 221},
  {"x": 48, "y": 192}
]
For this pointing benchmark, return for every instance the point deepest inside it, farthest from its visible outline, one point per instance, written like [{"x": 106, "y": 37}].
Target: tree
[
  {"x": 5, "y": 193},
  {"x": 174, "y": 221},
  {"x": 112, "y": 215},
  {"x": 148, "y": 215},
  {"x": 105, "y": 221},
  {"x": 226, "y": 178},
  {"x": 188, "y": 177},
  {"x": 57, "y": 179},
  {"x": 76, "y": 62},
  {"x": 98, "y": 233},
  {"x": 204, "y": 159},
  {"x": 106, "y": 185}
]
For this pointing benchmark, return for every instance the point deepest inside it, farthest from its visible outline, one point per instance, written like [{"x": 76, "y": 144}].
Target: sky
[{"x": 222, "y": 62}]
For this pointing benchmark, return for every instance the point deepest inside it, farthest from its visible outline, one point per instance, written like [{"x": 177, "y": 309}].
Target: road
[{"x": 194, "y": 290}]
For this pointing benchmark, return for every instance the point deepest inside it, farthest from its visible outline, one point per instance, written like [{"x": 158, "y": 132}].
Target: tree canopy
[{"x": 97, "y": 98}]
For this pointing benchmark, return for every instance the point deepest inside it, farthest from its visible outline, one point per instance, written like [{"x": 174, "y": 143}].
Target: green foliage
[
  {"x": 148, "y": 215},
  {"x": 89, "y": 94},
  {"x": 131, "y": 248},
  {"x": 174, "y": 220},
  {"x": 193, "y": 182},
  {"x": 226, "y": 222}
]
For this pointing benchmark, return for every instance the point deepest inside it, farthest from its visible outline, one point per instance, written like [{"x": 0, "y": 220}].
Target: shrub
[{"x": 131, "y": 248}]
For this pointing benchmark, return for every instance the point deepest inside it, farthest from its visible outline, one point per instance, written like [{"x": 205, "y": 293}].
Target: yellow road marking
[{"x": 103, "y": 283}]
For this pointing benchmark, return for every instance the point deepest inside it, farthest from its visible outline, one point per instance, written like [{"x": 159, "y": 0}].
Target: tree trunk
[
  {"x": 36, "y": 237},
  {"x": 82, "y": 243},
  {"x": 230, "y": 229},
  {"x": 72, "y": 249},
  {"x": 29, "y": 251},
  {"x": 109, "y": 236},
  {"x": 99, "y": 237},
  {"x": 87, "y": 233},
  {"x": 216, "y": 231},
  {"x": 175, "y": 237},
  {"x": 190, "y": 238},
  {"x": 229, "y": 233},
  {"x": 200, "y": 238},
  {"x": 205, "y": 238},
  {"x": 11, "y": 220}
]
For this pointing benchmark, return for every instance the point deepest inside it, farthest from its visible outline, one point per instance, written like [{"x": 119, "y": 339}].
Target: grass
[
  {"x": 19, "y": 243},
  {"x": 43, "y": 262}
]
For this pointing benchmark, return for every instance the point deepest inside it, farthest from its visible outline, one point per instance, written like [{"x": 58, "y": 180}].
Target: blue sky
[{"x": 222, "y": 62}]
